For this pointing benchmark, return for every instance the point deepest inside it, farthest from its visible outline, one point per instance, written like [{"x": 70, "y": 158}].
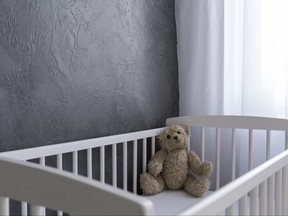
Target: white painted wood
[
  {"x": 254, "y": 206},
  {"x": 135, "y": 159},
  {"x": 4, "y": 205},
  {"x": 224, "y": 197},
  {"x": 144, "y": 155},
  {"x": 218, "y": 158},
  {"x": 232, "y": 192},
  {"x": 263, "y": 198},
  {"x": 114, "y": 165},
  {"x": 189, "y": 141},
  {"x": 226, "y": 121},
  {"x": 102, "y": 164},
  {"x": 36, "y": 152},
  {"x": 250, "y": 153},
  {"x": 59, "y": 162},
  {"x": 285, "y": 191},
  {"x": 125, "y": 166},
  {"x": 153, "y": 146},
  {"x": 59, "y": 213},
  {"x": 286, "y": 139},
  {"x": 268, "y": 144},
  {"x": 69, "y": 193},
  {"x": 278, "y": 193},
  {"x": 59, "y": 167},
  {"x": 202, "y": 144},
  {"x": 271, "y": 197},
  {"x": 230, "y": 210},
  {"x": 36, "y": 210},
  {"x": 24, "y": 208},
  {"x": 89, "y": 163},
  {"x": 233, "y": 154},
  {"x": 75, "y": 162},
  {"x": 243, "y": 209}
]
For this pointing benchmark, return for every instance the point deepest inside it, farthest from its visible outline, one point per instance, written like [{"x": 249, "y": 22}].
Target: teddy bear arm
[
  {"x": 201, "y": 169},
  {"x": 193, "y": 160},
  {"x": 156, "y": 164}
]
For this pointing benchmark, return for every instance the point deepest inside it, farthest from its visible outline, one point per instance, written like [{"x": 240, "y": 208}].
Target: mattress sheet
[{"x": 170, "y": 202}]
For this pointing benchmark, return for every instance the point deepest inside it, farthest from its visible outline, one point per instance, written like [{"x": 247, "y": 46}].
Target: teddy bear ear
[{"x": 186, "y": 128}]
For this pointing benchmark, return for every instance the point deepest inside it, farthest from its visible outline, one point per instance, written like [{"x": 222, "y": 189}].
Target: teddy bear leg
[
  {"x": 196, "y": 186},
  {"x": 151, "y": 185}
]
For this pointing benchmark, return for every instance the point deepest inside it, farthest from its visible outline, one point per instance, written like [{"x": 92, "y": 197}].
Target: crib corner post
[{"x": 4, "y": 206}]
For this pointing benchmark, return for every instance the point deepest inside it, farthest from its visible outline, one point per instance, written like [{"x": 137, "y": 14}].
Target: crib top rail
[
  {"x": 43, "y": 151},
  {"x": 64, "y": 191},
  {"x": 227, "y": 121}
]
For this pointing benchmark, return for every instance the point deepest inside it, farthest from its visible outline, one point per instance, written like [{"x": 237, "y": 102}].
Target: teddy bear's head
[{"x": 174, "y": 137}]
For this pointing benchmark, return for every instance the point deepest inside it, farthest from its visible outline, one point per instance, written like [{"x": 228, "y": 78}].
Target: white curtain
[
  {"x": 200, "y": 40},
  {"x": 233, "y": 57}
]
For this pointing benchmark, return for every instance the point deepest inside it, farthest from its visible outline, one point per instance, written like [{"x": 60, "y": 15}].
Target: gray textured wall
[{"x": 73, "y": 70}]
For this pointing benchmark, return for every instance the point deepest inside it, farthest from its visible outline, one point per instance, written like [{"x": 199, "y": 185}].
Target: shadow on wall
[{"x": 73, "y": 70}]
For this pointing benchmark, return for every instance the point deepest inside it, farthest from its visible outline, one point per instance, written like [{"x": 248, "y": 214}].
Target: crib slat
[
  {"x": 144, "y": 154},
  {"x": 153, "y": 146},
  {"x": 59, "y": 166},
  {"x": 135, "y": 166},
  {"x": 24, "y": 209},
  {"x": 263, "y": 198},
  {"x": 114, "y": 165},
  {"x": 268, "y": 145},
  {"x": 59, "y": 161},
  {"x": 286, "y": 139},
  {"x": 125, "y": 166},
  {"x": 243, "y": 206},
  {"x": 254, "y": 202},
  {"x": 217, "y": 158},
  {"x": 278, "y": 195},
  {"x": 202, "y": 143},
  {"x": 250, "y": 149},
  {"x": 285, "y": 191},
  {"x": 4, "y": 206},
  {"x": 75, "y": 162},
  {"x": 188, "y": 142},
  {"x": 230, "y": 210},
  {"x": 233, "y": 153},
  {"x": 89, "y": 163},
  {"x": 37, "y": 210},
  {"x": 41, "y": 210},
  {"x": 102, "y": 164},
  {"x": 271, "y": 192}
]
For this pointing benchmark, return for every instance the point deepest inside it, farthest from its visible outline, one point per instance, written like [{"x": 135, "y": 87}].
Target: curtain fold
[{"x": 200, "y": 49}]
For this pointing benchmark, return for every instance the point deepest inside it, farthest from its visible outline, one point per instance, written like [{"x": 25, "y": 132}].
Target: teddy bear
[{"x": 174, "y": 167}]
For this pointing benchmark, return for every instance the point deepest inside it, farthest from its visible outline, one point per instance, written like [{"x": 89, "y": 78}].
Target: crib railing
[
  {"x": 76, "y": 195},
  {"x": 139, "y": 145},
  {"x": 253, "y": 130},
  {"x": 123, "y": 157},
  {"x": 267, "y": 194}
]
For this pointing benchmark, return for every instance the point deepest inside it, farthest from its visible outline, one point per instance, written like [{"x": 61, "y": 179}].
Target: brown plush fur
[{"x": 174, "y": 167}]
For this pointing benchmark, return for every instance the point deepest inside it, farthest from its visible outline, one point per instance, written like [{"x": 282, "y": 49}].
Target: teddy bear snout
[{"x": 175, "y": 137}]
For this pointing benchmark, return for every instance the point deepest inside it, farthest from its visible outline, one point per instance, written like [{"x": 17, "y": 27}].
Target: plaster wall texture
[{"x": 72, "y": 70}]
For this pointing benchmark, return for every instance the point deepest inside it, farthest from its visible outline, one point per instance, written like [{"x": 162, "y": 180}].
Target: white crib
[{"x": 242, "y": 183}]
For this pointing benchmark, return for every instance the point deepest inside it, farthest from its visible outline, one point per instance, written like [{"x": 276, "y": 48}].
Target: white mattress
[{"x": 171, "y": 202}]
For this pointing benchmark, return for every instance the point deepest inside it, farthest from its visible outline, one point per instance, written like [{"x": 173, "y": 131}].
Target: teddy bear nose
[{"x": 175, "y": 137}]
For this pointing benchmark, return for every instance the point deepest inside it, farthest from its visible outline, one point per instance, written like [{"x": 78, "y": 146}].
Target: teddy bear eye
[
  {"x": 178, "y": 132},
  {"x": 168, "y": 136}
]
